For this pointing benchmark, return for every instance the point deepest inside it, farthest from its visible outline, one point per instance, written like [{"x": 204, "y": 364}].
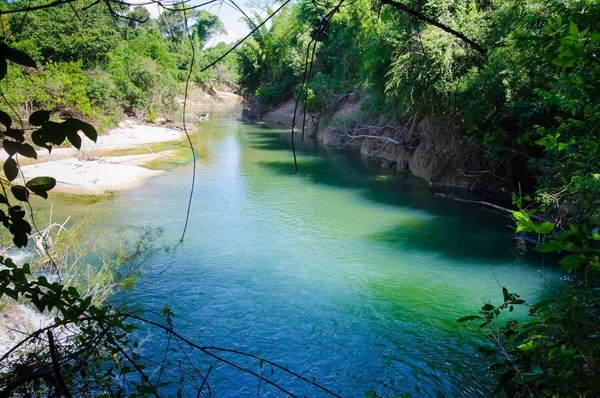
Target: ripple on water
[{"x": 353, "y": 281}]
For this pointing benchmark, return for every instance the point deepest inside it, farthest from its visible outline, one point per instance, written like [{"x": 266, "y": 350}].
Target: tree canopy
[{"x": 100, "y": 59}]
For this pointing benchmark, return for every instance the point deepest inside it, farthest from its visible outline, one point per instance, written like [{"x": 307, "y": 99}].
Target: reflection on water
[{"x": 345, "y": 273}]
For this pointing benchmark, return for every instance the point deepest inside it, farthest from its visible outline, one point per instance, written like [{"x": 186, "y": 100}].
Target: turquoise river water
[{"x": 348, "y": 274}]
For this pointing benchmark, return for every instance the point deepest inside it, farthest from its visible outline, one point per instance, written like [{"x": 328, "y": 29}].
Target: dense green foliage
[
  {"x": 500, "y": 100},
  {"x": 527, "y": 103},
  {"x": 96, "y": 62},
  {"x": 267, "y": 63}
]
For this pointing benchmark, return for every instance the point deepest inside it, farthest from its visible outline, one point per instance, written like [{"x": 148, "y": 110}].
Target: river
[{"x": 345, "y": 273}]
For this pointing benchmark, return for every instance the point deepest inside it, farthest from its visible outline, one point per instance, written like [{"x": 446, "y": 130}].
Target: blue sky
[
  {"x": 236, "y": 29},
  {"x": 232, "y": 19}
]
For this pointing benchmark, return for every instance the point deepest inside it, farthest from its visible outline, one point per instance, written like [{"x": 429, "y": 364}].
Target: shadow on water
[
  {"x": 439, "y": 235},
  {"x": 483, "y": 241}
]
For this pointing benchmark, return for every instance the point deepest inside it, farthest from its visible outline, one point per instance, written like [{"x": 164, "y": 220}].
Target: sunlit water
[{"x": 345, "y": 273}]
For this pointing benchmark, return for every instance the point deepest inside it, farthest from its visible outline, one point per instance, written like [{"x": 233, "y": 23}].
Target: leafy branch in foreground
[
  {"x": 553, "y": 351},
  {"x": 46, "y": 133}
]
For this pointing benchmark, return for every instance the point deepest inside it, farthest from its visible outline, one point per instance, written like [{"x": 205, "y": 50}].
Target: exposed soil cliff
[{"x": 423, "y": 147}]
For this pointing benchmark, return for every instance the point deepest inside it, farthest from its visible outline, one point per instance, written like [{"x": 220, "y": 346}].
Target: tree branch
[
  {"x": 37, "y": 374},
  {"x": 56, "y": 366},
  {"x": 475, "y": 202},
  {"x": 433, "y": 22},
  {"x": 373, "y": 137},
  {"x": 40, "y": 7},
  {"x": 207, "y": 350}
]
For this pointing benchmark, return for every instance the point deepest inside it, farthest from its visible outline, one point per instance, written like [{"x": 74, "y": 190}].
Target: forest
[
  {"x": 102, "y": 63},
  {"x": 507, "y": 88}
]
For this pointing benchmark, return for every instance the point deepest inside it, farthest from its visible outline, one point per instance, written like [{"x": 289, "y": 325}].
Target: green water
[{"x": 345, "y": 273}]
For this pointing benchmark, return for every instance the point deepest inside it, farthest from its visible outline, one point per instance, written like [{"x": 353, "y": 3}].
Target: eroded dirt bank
[{"x": 426, "y": 148}]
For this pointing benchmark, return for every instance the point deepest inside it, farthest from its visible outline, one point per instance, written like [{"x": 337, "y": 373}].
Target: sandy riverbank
[
  {"x": 87, "y": 171},
  {"x": 90, "y": 171}
]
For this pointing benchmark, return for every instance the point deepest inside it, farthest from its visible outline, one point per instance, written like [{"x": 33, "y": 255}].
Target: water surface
[{"x": 346, "y": 273}]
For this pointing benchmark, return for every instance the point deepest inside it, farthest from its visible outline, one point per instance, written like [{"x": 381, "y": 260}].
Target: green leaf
[
  {"x": 572, "y": 262},
  {"x": 11, "y": 170},
  {"x": 544, "y": 142},
  {"x": 39, "y": 138},
  {"x": 573, "y": 29},
  {"x": 41, "y": 185},
  {"x": 525, "y": 225},
  {"x": 564, "y": 61},
  {"x": 54, "y": 132},
  {"x": 553, "y": 246},
  {"x": 584, "y": 32},
  {"x": 5, "y": 119},
  {"x": 74, "y": 139},
  {"x": 544, "y": 228},
  {"x": 26, "y": 150},
  {"x": 20, "y": 231},
  {"x": 468, "y": 318},
  {"x": 562, "y": 146},
  {"x": 16, "y": 213},
  {"x": 20, "y": 193},
  {"x": 17, "y": 135},
  {"x": 10, "y": 147},
  {"x": 520, "y": 215},
  {"x": 39, "y": 117},
  {"x": 79, "y": 125},
  {"x": 18, "y": 56},
  {"x": 505, "y": 294}
]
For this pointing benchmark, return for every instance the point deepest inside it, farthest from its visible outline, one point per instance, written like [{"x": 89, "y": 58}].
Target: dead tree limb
[
  {"x": 375, "y": 132},
  {"x": 373, "y": 137},
  {"x": 475, "y": 202},
  {"x": 433, "y": 22},
  {"x": 56, "y": 366}
]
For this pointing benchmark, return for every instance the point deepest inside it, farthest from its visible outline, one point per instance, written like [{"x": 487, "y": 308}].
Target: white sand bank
[{"x": 88, "y": 172}]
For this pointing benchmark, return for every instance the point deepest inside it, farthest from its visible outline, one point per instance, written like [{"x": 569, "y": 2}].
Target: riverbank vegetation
[
  {"x": 511, "y": 77},
  {"x": 513, "y": 83}
]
